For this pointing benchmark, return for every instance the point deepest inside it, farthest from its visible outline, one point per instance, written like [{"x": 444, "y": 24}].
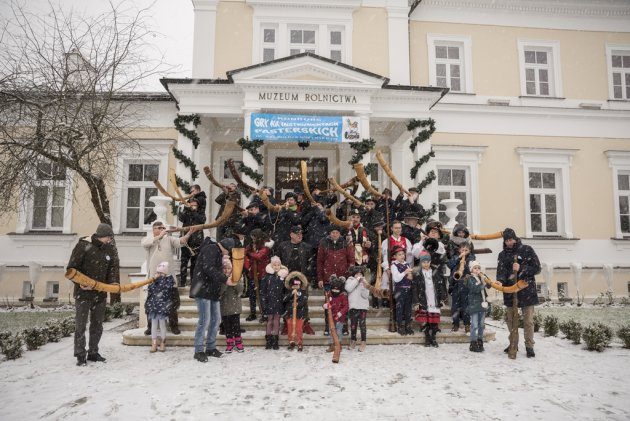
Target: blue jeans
[
  {"x": 339, "y": 329},
  {"x": 209, "y": 320},
  {"x": 477, "y": 321}
]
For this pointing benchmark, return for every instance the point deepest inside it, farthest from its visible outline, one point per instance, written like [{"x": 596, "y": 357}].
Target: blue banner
[{"x": 294, "y": 127}]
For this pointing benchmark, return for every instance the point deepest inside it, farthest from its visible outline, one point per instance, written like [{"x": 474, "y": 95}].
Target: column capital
[{"x": 204, "y": 5}]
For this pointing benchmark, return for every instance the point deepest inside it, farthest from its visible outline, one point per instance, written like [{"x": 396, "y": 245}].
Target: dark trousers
[
  {"x": 252, "y": 295},
  {"x": 186, "y": 256},
  {"x": 403, "y": 306},
  {"x": 232, "y": 325},
  {"x": 94, "y": 308},
  {"x": 357, "y": 318}
]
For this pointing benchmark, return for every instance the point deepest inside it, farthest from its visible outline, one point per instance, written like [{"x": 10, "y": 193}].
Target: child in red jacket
[{"x": 339, "y": 305}]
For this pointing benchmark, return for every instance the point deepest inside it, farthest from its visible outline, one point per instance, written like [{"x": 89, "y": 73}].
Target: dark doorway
[{"x": 289, "y": 177}]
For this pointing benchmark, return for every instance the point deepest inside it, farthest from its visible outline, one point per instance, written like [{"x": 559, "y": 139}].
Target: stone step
[
  {"x": 186, "y": 324},
  {"x": 187, "y": 301},
  {"x": 190, "y": 311},
  {"x": 257, "y": 338}
]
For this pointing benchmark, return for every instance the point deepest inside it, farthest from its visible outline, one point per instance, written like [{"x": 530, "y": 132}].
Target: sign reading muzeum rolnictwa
[
  {"x": 307, "y": 97},
  {"x": 295, "y": 127}
]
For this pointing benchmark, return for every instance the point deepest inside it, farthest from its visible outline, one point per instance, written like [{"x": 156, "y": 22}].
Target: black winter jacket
[
  {"x": 418, "y": 289},
  {"x": 189, "y": 218},
  {"x": 208, "y": 279},
  {"x": 301, "y": 304},
  {"x": 95, "y": 260},
  {"x": 529, "y": 267}
]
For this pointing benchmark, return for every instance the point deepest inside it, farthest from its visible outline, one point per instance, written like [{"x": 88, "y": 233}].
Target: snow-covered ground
[{"x": 563, "y": 382}]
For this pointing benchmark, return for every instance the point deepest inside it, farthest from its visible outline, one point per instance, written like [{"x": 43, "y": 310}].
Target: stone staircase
[{"x": 377, "y": 327}]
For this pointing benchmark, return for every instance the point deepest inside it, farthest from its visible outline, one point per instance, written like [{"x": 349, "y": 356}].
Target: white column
[
  {"x": 248, "y": 159},
  {"x": 398, "y": 24},
  {"x": 185, "y": 145},
  {"x": 401, "y": 161},
  {"x": 430, "y": 194},
  {"x": 364, "y": 123},
  {"x": 204, "y": 38}
]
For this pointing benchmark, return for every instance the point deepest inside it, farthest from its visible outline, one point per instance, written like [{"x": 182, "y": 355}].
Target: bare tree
[{"x": 65, "y": 87}]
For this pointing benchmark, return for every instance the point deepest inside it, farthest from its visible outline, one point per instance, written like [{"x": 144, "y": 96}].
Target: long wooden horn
[
  {"x": 360, "y": 170},
  {"x": 173, "y": 179},
  {"x": 352, "y": 182},
  {"x": 227, "y": 212},
  {"x": 336, "y": 221},
  {"x": 390, "y": 174},
  {"x": 519, "y": 285},
  {"x": 307, "y": 191},
  {"x": 237, "y": 177},
  {"x": 347, "y": 195},
  {"x": 84, "y": 280},
  {"x": 167, "y": 194},
  {"x": 238, "y": 260},
  {"x": 210, "y": 177},
  {"x": 493, "y": 236},
  {"x": 270, "y": 206}
]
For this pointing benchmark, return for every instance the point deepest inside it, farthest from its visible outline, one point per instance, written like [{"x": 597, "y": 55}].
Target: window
[
  {"x": 27, "y": 290},
  {"x": 619, "y": 161},
  {"x": 540, "y": 68},
  {"x": 269, "y": 44},
  {"x": 52, "y": 289},
  {"x": 547, "y": 191},
  {"x": 336, "y": 44},
  {"x": 302, "y": 40},
  {"x": 49, "y": 197},
  {"x": 450, "y": 62},
  {"x": 544, "y": 194},
  {"x": 139, "y": 188},
  {"x": 618, "y": 58},
  {"x": 453, "y": 184},
  {"x": 563, "y": 290},
  {"x": 539, "y": 288}
]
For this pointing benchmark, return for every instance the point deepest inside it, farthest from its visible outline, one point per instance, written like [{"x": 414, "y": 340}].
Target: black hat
[
  {"x": 509, "y": 234},
  {"x": 369, "y": 199},
  {"x": 227, "y": 243},
  {"x": 104, "y": 230},
  {"x": 298, "y": 190},
  {"x": 461, "y": 228},
  {"x": 434, "y": 225},
  {"x": 289, "y": 195},
  {"x": 355, "y": 211},
  {"x": 414, "y": 190},
  {"x": 334, "y": 227},
  {"x": 410, "y": 215},
  {"x": 431, "y": 245},
  {"x": 380, "y": 222},
  {"x": 253, "y": 204},
  {"x": 396, "y": 249},
  {"x": 296, "y": 229}
]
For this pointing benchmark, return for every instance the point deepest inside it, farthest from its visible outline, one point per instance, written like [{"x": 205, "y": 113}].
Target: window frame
[
  {"x": 468, "y": 157},
  {"x": 555, "y": 73},
  {"x": 143, "y": 185},
  {"x": 456, "y": 189},
  {"x": 465, "y": 45},
  {"x": 331, "y": 46},
  {"x": 268, "y": 45},
  {"x": 542, "y": 191},
  {"x": 560, "y": 160},
  {"x": 618, "y": 161},
  {"x": 611, "y": 49}
]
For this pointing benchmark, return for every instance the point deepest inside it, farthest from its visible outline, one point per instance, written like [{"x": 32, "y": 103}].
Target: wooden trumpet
[
  {"x": 390, "y": 174},
  {"x": 84, "y": 280},
  {"x": 307, "y": 191},
  {"x": 460, "y": 269},
  {"x": 336, "y": 221},
  {"x": 227, "y": 212},
  {"x": 341, "y": 190},
  {"x": 360, "y": 170}
]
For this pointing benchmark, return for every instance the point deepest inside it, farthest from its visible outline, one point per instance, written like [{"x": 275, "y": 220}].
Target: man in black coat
[
  {"x": 189, "y": 216},
  {"x": 294, "y": 254},
  {"x": 253, "y": 219},
  {"x": 200, "y": 197},
  {"x": 229, "y": 193},
  {"x": 94, "y": 257},
  {"x": 286, "y": 218},
  {"x": 520, "y": 259},
  {"x": 410, "y": 229},
  {"x": 208, "y": 284}
]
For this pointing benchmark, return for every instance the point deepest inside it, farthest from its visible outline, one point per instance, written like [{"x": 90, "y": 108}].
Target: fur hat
[
  {"x": 431, "y": 245},
  {"x": 104, "y": 230},
  {"x": 162, "y": 268},
  {"x": 474, "y": 263},
  {"x": 295, "y": 277}
]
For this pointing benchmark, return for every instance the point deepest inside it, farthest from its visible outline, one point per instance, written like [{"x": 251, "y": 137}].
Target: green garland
[
  {"x": 428, "y": 128},
  {"x": 188, "y": 163},
  {"x": 361, "y": 148},
  {"x": 180, "y": 125},
  {"x": 252, "y": 147}
]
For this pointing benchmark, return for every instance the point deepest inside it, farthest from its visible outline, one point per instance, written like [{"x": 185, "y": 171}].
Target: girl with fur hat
[
  {"x": 339, "y": 306},
  {"x": 271, "y": 295},
  {"x": 358, "y": 291},
  {"x": 296, "y": 283},
  {"x": 429, "y": 293},
  {"x": 158, "y": 304},
  {"x": 477, "y": 305}
]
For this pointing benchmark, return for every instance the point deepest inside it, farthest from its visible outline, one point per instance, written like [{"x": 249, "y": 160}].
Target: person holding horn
[
  {"x": 296, "y": 304},
  {"x": 518, "y": 261},
  {"x": 229, "y": 193},
  {"x": 94, "y": 257},
  {"x": 190, "y": 215},
  {"x": 160, "y": 247}
]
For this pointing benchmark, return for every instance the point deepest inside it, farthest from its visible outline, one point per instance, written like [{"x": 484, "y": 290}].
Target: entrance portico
[{"x": 306, "y": 85}]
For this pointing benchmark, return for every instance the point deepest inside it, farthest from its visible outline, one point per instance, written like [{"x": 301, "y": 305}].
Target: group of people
[{"x": 294, "y": 246}]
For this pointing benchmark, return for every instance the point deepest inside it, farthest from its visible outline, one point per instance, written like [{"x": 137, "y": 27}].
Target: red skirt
[{"x": 423, "y": 316}]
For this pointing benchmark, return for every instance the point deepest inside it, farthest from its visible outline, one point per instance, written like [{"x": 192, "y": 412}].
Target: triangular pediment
[{"x": 308, "y": 68}]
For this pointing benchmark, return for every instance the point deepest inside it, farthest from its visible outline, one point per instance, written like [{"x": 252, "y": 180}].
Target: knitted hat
[
  {"x": 162, "y": 268},
  {"x": 474, "y": 263},
  {"x": 104, "y": 230},
  {"x": 509, "y": 234},
  {"x": 425, "y": 257}
]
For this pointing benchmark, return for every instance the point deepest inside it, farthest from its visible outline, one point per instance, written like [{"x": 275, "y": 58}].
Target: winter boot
[
  {"x": 530, "y": 352},
  {"x": 239, "y": 344},
  {"x": 434, "y": 343},
  {"x": 401, "y": 331},
  {"x": 221, "y": 329},
  {"x": 344, "y": 331},
  {"x": 307, "y": 328},
  {"x": 300, "y": 347},
  {"x": 467, "y": 328},
  {"x": 153, "y": 346},
  {"x": 163, "y": 345},
  {"x": 455, "y": 328},
  {"x": 408, "y": 329},
  {"x": 427, "y": 337},
  {"x": 214, "y": 353},
  {"x": 507, "y": 350},
  {"x": 147, "y": 332},
  {"x": 362, "y": 346},
  {"x": 275, "y": 345},
  {"x": 331, "y": 348},
  {"x": 263, "y": 319},
  {"x": 291, "y": 346},
  {"x": 352, "y": 344},
  {"x": 99, "y": 358},
  {"x": 480, "y": 345},
  {"x": 473, "y": 346},
  {"x": 251, "y": 317},
  {"x": 230, "y": 345},
  {"x": 201, "y": 357},
  {"x": 81, "y": 361},
  {"x": 268, "y": 343}
]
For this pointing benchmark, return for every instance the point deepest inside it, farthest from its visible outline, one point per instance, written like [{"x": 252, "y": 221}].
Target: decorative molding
[
  {"x": 466, "y": 43},
  {"x": 550, "y": 156},
  {"x": 556, "y": 71}
]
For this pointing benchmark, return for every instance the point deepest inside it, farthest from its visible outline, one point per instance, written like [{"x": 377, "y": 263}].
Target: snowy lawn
[
  {"x": 564, "y": 382},
  {"x": 17, "y": 321},
  {"x": 612, "y": 316}
]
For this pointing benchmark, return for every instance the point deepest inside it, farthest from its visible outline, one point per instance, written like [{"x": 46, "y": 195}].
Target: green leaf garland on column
[
  {"x": 428, "y": 128},
  {"x": 252, "y": 147},
  {"x": 180, "y": 125}
]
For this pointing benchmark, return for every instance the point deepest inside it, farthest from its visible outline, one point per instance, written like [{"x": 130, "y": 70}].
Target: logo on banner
[{"x": 351, "y": 129}]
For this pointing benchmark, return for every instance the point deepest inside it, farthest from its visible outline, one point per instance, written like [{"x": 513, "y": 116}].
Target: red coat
[
  {"x": 262, "y": 257},
  {"x": 339, "y": 304},
  {"x": 333, "y": 258}
]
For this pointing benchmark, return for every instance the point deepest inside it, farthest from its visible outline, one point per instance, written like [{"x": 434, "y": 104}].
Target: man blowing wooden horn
[{"x": 94, "y": 257}]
